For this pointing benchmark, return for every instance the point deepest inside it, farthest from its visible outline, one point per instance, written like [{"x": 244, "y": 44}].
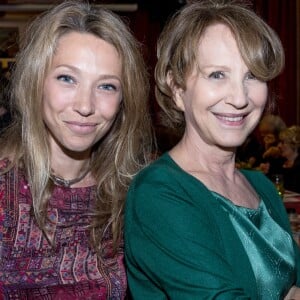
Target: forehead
[
  {"x": 87, "y": 52},
  {"x": 218, "y": 42},
  {"x": 83, "y": 41}
]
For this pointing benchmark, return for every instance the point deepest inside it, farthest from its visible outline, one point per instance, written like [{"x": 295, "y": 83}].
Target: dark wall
[{"x": 282, "y": 17}]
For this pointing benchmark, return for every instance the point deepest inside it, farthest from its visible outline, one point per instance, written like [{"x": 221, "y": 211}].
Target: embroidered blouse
[{"x": 30, "y": 268}]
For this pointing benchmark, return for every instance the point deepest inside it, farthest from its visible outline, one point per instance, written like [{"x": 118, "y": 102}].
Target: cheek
[
  {"x": 54, "y": 99},
  {"x": 47, "y": 113},
  {"x": 47, "y": 97},
  {"x": 109, "y": 109},
  {"x": 47, "y": 108},
  {"x": 259, "y": 95},
  {"x": 52, "y": 108}
]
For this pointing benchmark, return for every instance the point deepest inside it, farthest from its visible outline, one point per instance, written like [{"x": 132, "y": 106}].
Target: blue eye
[
  {"x": 66, "y": 78},
  {"x": 217, "y": 75},
  {"x": 108, "y": 87}
]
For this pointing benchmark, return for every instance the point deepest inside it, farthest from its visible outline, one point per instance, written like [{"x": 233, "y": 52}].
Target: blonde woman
[{"x": 80, "y": 133}]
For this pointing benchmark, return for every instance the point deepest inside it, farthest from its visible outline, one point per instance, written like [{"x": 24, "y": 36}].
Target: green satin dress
[{"x": 268, "y": 246}]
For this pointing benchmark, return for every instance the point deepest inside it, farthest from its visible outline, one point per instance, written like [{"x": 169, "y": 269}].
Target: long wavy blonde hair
[{"x": 125, "y": 148}]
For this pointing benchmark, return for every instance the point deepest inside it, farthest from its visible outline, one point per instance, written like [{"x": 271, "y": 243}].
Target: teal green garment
[
  {"x": 181, "y": 244},
  {"x": 268, "y": 246}
]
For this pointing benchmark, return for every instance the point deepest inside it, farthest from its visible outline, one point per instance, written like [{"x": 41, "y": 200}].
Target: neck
[
  {"x": 68, "y": 182},
  {"x": 207, "y": 159},
  {"x": 69, "y": 172}
]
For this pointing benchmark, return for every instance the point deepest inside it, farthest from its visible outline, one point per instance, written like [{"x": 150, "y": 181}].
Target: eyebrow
[
  {"x": 203, "y": 66},
  {"x": 107, "y": 76},
  {"x": 101, "y": 76}
]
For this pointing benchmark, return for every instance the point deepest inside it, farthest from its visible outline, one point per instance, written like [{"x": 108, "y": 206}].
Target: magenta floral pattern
[{"x": 32, "y": 268}]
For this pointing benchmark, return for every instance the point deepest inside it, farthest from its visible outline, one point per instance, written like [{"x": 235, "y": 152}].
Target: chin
[
  {"x": 232, "y": 142},
  {"x": 76, "y": 149}
]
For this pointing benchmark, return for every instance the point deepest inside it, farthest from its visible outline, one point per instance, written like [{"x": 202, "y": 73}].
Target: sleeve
[{"x": 172, "y": 250}]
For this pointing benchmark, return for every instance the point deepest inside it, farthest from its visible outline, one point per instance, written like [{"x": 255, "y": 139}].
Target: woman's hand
[{"x": 272, "y": 152}]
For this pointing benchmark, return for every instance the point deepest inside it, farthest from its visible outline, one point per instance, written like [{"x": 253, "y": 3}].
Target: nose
[
  {"x": 238, "y": 95},
  {"x": 84, "y": 102}
]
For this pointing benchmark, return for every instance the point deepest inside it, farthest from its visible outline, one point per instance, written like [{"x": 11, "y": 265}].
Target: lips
[
  {"x": 231, "y": 119},
  {"x": 81, "y": 128}
]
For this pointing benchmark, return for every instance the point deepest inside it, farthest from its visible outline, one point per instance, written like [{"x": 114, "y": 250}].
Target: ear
[{"x": 177, "y": 92}]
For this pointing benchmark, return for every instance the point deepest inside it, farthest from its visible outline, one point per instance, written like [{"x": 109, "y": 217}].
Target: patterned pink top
[{"x": 30, "y": 268}]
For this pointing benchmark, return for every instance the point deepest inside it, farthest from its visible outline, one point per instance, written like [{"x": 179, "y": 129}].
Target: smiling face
[
  {"x": 223, "y": 101},
  {"x": 82, "y": 92}
]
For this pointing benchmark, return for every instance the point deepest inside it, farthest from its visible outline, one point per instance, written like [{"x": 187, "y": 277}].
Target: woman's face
[
  {"x": 287, "y": 150},
  {"x": 82, "y": 92},
  {"x": 223, "y": 101}
]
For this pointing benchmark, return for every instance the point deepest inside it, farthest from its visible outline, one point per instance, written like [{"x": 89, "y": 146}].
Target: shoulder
[
  {"x": 164, "y": 163},
  {"x": 154, "y": 182},
  {"x": 4, "y": 164},
  {"x": 10, "y": 172},
  {"x": 165, "y": 182},
  {"x": 256, "y": 178},
  {"x": 163, "y": 191},
  {"x": 267, "y": 191},
  {"x": 164, "y": 171},
  {"x": 261, "y": 183}
]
